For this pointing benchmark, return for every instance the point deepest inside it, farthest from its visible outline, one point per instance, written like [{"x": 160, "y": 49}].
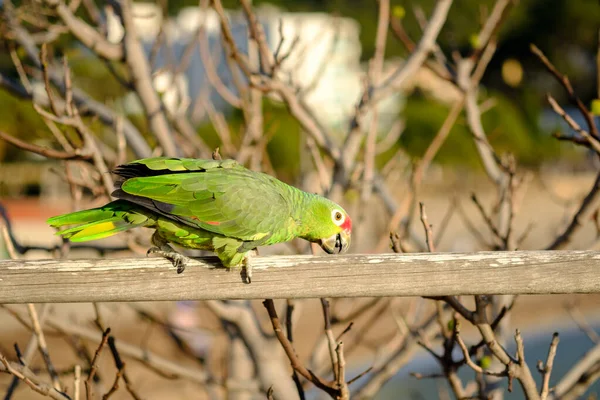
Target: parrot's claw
[
  {"x": 247, "y": 273},
  {"x": 247, "y": 267},
  {"x": 164, "y": 250},
  {"x": 179, "y": 260}
]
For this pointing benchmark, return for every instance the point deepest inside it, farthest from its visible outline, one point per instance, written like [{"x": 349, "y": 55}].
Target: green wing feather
[
  {"x": 185, "y": 164},
  {"x": 101, "y": 222},
  {"x": 222, "y": 197}
]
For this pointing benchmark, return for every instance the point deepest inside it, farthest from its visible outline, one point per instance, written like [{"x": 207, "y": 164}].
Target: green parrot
[{"x": 215, "y": 205}]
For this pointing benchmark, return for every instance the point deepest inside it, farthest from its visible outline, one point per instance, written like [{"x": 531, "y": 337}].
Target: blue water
[{"x": 573, "y": 345}]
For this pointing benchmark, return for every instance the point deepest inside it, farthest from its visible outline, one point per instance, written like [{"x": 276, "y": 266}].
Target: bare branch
[
  {"x": 331, "y": 342},
  {"x": 289, "y": 330},
  {"x": 86, "y": 104},
  {"x": 546, "y": 370},
  {"x": 374, "y": 76},
  {"x": 564, "y": 80},
  {"x": 341, "y": 373},
  {"x": 467, "y": 356},
  {"x": 373, "y": 95},
  {"x": 291, "y": 353},
  {"x": 578, "y": 317},
  {"x": 42, "y": 346},
  {"x": 427, "y": 227},
  {"x": 593, "y": 141},
  {"x": 94, "y": 366},
  {"x": 85, "y": 33},
  {"x": 43, "y": 151},
  {"x": 76, "y": 383},
  {"x": 34, "y": 382},
  {"x": 586, "y": 367},
  {"x": 211, "y": 71},
  {"x": 141, "y": 76},
  {"x": 590, "y": 204}
]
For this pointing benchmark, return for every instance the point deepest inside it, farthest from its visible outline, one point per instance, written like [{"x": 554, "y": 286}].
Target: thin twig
[
  {"x": 115, "y": 385},
  {"x": 546, "y": 370},
  {"x": 355, "y": 313},
  {"x": 43, "y": 151},
  {"x": 593, "y": 141},
  {"x": 34, "y": 382},
  {"x": 577, "y": 316},
  {"x": 290, "y": 336},
  {"x": 467, "y": 356},
  {"x": 357, "y": 377},
  {"x": 374, "y": 76},
  {"x": 94, "y": 366},
  {"x": 330, "y": 338},
  {"x": 488, "y": 220},
  {"x": 120, "y": 365},
  {"x": 76, "y": 383},
  {"x": 209, "y": 66},
  {"x": 328, "y": 387},
  {"x": 588, "y": 206},
  {"x": 42, "y": 346},
  {"x": 427, "y": 227},
  {"x": 566, "y": 83},
  {"x": 341, "y": 373},
  {"x": 141, "y": 76}
]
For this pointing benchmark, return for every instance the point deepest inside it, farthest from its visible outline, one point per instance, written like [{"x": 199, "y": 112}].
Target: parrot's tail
[{"x": 101, "y": 222}]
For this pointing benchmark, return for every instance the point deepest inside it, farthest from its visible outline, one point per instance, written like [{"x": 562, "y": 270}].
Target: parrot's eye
[{"x": 338, "y": 217}]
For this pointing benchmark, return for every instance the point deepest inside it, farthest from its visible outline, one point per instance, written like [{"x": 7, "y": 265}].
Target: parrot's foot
[
  {"x": 247, "y": 273},
  {"x": 247, "y": 267},
  {"x": 179, "y": 260},
  {"x": 164, "y": 250}
]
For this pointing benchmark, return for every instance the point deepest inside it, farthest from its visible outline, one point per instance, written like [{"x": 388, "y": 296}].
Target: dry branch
[
  {"x": 588, "y": 206},
  {"x": 291, "y": 353},
  {"x": 44, "y": 151},
  {"x": 85, "y": 33},
  {"x": 25, "y": 374},
  {"x": 142, "y": 80},
  {"x": 566, "y": 83},
  {"x": 580, "y": 373}
]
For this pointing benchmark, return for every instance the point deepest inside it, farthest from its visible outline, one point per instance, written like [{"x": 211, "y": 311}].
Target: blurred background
[{"x": 329, "y": 46}]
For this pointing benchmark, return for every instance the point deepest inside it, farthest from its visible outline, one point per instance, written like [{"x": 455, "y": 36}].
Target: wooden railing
[{"x": 428, "y": 274}]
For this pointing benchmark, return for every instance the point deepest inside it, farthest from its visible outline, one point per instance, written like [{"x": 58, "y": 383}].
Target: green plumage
[{"x": 204, "y": 204}]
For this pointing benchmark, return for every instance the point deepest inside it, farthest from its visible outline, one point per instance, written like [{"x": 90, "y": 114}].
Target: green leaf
[
  {"x": 595, "y": 109},
  {"x": 399, "y": 12},
  {"x": 474, "y": 41},
  {"x": 485, "y": 362}
]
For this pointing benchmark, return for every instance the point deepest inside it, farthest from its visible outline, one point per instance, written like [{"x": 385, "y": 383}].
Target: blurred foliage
[
  {"x": 285, "y": 145},
  {"x": 18, "y": 118},
  {"x": 281, "y": 130},
  {"x": 561, "y": 28},
  {"x": 507, "y": 129},
  {"x": 94, "y": 77},
  {"x": 565, "y": 29}
]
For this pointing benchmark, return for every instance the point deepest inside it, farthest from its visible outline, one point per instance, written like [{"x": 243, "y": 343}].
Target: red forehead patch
[{"x": 347, "y": 225}]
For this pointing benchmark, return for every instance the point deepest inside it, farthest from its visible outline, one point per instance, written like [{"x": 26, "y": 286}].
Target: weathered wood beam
[{"x": 356, "y": 275}]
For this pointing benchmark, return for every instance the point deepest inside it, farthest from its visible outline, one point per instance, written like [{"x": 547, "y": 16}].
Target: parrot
[{"x": 213, "y": 205}]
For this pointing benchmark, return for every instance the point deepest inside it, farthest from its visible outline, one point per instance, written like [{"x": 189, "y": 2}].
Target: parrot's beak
[{"x": 337, "y": 243}]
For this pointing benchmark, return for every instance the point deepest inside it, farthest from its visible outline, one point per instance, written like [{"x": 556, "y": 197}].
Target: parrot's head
[{"x": 330, "y": 226}]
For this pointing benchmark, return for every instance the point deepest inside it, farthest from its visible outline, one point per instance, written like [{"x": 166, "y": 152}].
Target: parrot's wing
[{"x": 231, "y": 201}]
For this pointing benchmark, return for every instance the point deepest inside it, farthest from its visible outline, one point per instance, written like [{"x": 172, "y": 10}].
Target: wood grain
[{"x": 356, "y": 275}]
